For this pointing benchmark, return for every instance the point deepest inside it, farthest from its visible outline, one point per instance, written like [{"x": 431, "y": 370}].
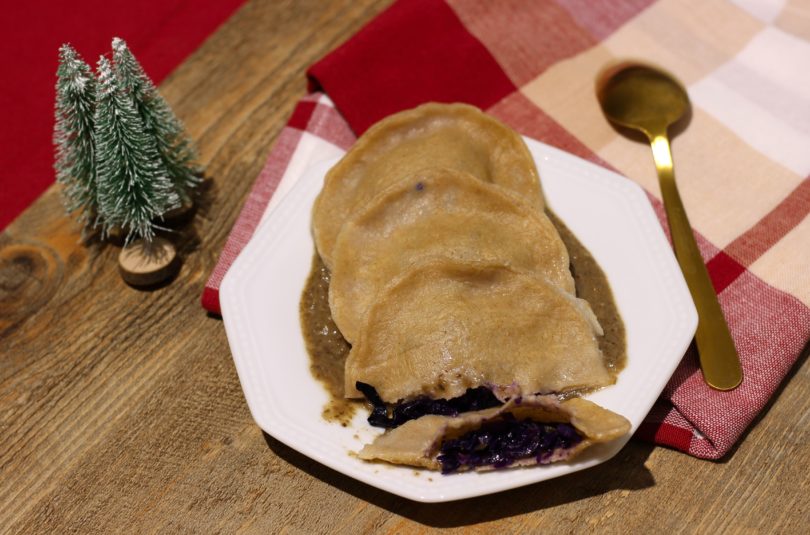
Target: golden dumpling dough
[
  {"x": 445, "y": 326},
  {"x": 437, "y": 212},
  {"x": 417, "y": 442},
  {"x": 457, "y": 136}
]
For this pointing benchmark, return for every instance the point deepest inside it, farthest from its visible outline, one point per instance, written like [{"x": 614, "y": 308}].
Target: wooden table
[{"x": 120, "y": 410}]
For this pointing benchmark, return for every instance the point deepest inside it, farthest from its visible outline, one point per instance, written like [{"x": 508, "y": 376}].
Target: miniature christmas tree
[
  {"x": 176, "y": 149},
  {"x": 133, "y": 184},
  {"x": 73, "y": 134}
]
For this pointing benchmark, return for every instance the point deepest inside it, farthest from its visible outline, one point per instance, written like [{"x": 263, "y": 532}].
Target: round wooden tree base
[{"x": 143, "y": 264}]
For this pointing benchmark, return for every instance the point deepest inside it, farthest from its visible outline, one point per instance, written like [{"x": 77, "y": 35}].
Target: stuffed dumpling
[
  {"x": 522, "y": 432},
  {"x": 438, "y": 213},
  {"x": 455, "y": 136},
  {"x": 446, "y": 326}
]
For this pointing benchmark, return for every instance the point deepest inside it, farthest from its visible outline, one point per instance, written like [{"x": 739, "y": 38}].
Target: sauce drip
[
  {"x": 327, "y": 348},
  {"x": 593, "y": 286}
]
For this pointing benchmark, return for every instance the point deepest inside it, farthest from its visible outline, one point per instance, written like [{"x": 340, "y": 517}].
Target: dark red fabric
[
  {"x": 723, "y": 270},
  {"x": 301, "y": 115},
  {"x": 413, "y": 52},
  {"x": 666, "y": 435},
  {"x": 210, "y": 300},
  {"x": 161, "y": 33}
]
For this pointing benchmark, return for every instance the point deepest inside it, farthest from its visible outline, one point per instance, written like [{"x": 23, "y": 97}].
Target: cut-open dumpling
[
  {"x": 445, "y": 326},
  {"x": 456, "y": 136},
  {"x": 437, "y": 213},
  {"x": 524, "y": 431}
]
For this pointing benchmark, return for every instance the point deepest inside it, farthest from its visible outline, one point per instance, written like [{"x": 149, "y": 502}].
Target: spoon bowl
[
  {"x": 642, "y": 98},
  {"x": 649, "y": 100}
]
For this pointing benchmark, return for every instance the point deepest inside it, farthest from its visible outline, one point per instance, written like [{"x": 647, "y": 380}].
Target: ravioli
[
  {"x": 457, "y": 136},
  {"x": 523, "y": 431},
  {"x": 445, "y": 326},
  {"x": 438, "y": 213}
]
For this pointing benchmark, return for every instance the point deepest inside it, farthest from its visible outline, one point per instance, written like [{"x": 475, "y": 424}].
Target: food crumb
[{"x": 625, "y": 493}]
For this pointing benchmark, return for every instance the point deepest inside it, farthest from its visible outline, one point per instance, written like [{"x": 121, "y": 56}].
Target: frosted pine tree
[
  {"x": 133, "y": 184},
  {"x": 73, "y": 134},
  {"x": 176, "y": 149}
]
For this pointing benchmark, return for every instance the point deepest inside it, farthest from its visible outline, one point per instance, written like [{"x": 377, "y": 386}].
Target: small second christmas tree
[
  {"x": 133, "y": 183},
  {"x": 73, "y": 134},
  {"x": 176, "y": 149}
]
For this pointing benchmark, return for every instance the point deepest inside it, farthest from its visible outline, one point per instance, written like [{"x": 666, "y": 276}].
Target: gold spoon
[{"x": 643, "y": 98}]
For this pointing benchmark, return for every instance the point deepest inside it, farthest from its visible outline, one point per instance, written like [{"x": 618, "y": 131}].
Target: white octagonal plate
[{"x": 609, "y": 214}]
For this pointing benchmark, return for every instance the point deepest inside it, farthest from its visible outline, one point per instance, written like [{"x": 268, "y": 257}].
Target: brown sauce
[
  {"x": 593, "y": 286},
  {"x": 328, "y": 350},
  {"x": 326, "y": 346}
]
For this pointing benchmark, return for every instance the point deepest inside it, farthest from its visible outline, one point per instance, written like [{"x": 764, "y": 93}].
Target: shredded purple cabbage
[
  {"x": 501, "y": 443},
  {"x": 473, "y": 399}
]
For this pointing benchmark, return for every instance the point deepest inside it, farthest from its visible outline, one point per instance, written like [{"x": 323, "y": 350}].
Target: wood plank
[{"x": 120, "y": 410}]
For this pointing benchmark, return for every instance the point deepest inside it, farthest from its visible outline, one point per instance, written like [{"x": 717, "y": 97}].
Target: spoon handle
[{"x": 718, "y": 356}]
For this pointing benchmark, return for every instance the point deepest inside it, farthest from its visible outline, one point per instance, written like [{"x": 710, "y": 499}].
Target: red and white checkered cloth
[{"x": 743, "y": 162}]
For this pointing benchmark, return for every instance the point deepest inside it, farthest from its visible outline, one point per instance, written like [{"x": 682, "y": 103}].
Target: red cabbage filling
[
  {"x": 474, "y": 399},
  {"x": 501, "y": 443}
]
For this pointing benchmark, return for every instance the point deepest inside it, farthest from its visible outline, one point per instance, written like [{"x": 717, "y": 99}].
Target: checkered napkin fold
[{"x": 743, "y": 163}]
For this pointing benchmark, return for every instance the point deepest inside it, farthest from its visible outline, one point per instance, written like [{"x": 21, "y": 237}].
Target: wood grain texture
[{"x": 121, "y": 411}]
